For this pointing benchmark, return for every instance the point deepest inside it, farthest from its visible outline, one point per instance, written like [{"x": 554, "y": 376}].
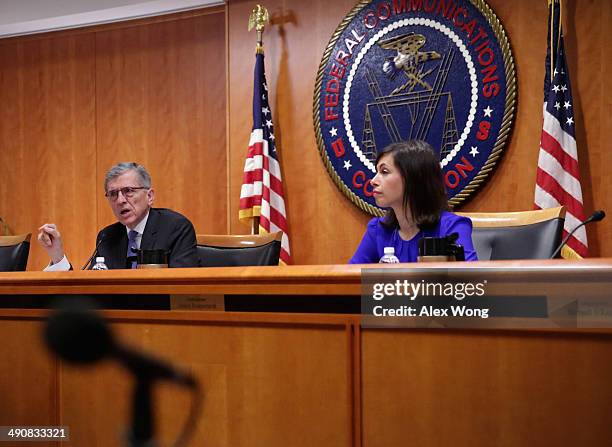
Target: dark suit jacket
[{"x": 165, "y": 230}]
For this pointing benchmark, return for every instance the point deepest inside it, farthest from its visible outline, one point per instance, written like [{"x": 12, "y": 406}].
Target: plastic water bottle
[
  {"x": 100, "y": 265},
  {"x": 389, "y": 256}
]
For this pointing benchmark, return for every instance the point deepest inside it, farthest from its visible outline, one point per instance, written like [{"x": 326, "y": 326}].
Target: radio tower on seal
[
  {"x": 449, "y": 134},
  {"x": 369, "y": 143}
]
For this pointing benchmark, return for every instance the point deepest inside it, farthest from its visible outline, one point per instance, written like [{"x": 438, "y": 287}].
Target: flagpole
[
  {"x": 258, "y": 19},
  {"x": 262, "y": 201}
]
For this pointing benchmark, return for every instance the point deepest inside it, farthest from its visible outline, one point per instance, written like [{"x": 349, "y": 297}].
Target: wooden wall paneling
[
  {"x": 28, "y": 375},
  {"x": 263, "y": 385},
  {"x": 477, "y": 388},
  {"x": 589, "y": 52},
  {"x": 161, "y": 101},
  {"x": 602, "y": 184},
  {"x": 319, "y": 215},
  {"x": 76, "y": 102},
  {"x": 11, "y": 146},
  {"x": 47, "y": 139},
  {"x": 95, "y": 402}
]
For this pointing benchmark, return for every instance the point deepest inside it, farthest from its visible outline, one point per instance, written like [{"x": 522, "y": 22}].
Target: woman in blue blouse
[{"x": 409, "y": 183}]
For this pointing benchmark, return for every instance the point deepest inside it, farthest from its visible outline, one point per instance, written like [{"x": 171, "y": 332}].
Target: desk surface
[{"x": 296, "y": 280}]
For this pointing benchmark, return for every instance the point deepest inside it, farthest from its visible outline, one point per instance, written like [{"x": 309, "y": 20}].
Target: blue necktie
[{"x": 131, "y": 253}]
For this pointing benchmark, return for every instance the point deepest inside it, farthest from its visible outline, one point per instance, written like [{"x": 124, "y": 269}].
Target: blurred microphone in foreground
[{"x": 78, "y": 335}]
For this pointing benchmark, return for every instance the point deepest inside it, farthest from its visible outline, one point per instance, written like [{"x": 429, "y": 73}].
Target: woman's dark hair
[{"x": 424, "y": 191}]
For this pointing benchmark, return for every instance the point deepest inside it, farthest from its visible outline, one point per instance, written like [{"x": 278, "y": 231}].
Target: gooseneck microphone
[
  {"x": 595, "y": 217},
  {"x": 95, "y": 252},
  {"x": 78, "y": 335},
  {"x": 81, "y": 336}
]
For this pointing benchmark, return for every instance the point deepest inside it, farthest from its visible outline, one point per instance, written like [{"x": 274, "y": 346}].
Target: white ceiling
[{"x": 19, "y": 17}]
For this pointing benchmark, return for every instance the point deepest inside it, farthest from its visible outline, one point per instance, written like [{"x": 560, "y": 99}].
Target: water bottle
[
  {"x": 100, "y": 265},
  {"x": 389, "y": 256}
]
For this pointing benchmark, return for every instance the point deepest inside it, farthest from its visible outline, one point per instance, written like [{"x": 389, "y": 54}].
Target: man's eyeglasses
[{"x": 127, "y": 192}]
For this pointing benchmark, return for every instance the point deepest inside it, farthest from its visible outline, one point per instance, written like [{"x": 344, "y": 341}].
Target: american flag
[
  {"x": 262, "y": 185},
  {"x": 558, "y": 175}
]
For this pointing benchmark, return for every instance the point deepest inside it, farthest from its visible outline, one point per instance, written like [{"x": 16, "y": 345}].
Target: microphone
[
  {"x": 79, "y": 335},
  {"x": 102, "y": 236},
  {"x": 595, "y": 217}
]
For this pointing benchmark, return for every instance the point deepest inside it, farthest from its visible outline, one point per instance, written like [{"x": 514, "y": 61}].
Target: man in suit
[{"x": 128, "y": 189}]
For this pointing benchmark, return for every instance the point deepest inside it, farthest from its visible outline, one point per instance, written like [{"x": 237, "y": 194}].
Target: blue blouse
[{"x": 377, "y": 237}]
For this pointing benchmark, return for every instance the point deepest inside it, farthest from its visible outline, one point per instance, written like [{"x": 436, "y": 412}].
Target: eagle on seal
[{"x": 408, "y": 59}]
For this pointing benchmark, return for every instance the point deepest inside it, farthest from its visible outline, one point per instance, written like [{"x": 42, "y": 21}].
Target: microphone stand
[
  {"x": 95, "y": 252},
  {"x": 595, "y": 217},
  {"x": 142, "y": 415}
]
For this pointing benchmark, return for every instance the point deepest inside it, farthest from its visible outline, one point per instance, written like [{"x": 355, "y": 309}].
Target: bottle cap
[
  {"x": 389, "y": 250},
  {"x": 100, "y": 259}
]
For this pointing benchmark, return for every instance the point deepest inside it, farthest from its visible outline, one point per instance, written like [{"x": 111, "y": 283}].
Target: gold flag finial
[{"x": 258, "y": 19}]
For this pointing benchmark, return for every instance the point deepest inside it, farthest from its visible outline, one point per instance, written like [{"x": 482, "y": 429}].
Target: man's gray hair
[{"x": 122, "y": 168}]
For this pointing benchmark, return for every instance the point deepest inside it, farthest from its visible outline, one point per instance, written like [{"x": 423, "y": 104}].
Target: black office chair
[
  {"x": 517, "y": 235},
  {"x": 239, "y": 250},
  {"x": 14, "y": 252}
]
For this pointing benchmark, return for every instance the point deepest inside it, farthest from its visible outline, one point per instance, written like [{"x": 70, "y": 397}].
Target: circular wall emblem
[{"x": 436, "y": 70}]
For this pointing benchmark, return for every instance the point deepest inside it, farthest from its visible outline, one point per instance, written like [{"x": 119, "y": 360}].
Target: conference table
[{"x": 284, "y": 357}]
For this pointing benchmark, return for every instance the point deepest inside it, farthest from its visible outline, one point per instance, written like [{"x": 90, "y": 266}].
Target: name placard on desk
[{"x": 197, "y": 302}]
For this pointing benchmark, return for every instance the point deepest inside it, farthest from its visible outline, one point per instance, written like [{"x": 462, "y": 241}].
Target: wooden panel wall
[
  {"x": 319, "y": 215},
  {"x": 77, "y": 102},
  {"x": 317, "y": 380},
  {"x": 266, "y": 380},
  {"x": 27, "y": 365},
  {"x": 47, "y": 138},
  {"x": 482, "y": 388}
]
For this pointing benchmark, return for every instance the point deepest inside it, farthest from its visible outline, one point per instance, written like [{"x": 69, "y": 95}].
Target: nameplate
[{"x": 197, "y": 302}]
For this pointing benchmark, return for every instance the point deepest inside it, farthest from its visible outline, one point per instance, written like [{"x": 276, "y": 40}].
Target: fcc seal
[{"x": 435, "y": 70}]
